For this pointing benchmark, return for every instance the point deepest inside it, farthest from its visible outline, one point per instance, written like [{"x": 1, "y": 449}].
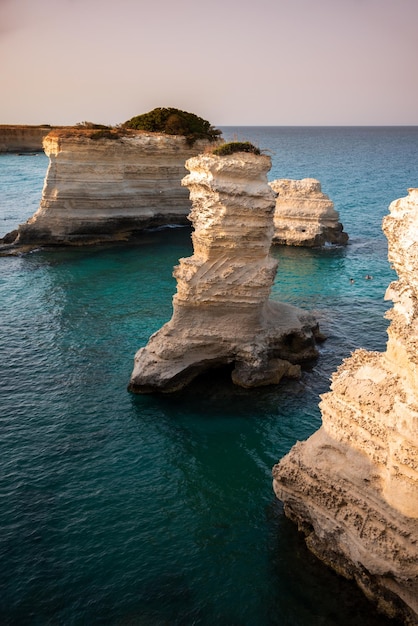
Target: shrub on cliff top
[
  {"x": 235, "y": 146},
  {"x": 174, "y": 122},
  {"x": 92, "y": 125},
  {"x": 106, "y": 133}
]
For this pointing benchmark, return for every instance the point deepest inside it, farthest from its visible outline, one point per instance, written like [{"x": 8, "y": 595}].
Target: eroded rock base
[
  {"x": 194, "y": 342},
  {"x": 332, "y": 494}
]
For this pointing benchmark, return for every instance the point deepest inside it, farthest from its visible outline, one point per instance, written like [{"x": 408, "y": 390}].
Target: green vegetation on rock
[
  {"x": 92, "y": 125},
  {"x": 100, "y": 131},
  {"x": 106, "y": 133},
  {"x": 235, "y": 146},
  {"x": 174, "y": 122}
]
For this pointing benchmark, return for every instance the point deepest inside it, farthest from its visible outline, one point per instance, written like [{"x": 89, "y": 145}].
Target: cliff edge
[
  {"x": 221, "y": 311},
  {"x": 352, "y": 487}
]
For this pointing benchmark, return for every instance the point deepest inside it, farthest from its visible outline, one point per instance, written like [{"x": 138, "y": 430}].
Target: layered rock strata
[
  {"x": 21, "y": 138},
  {"x": 103, "y": 185},
  {"x": 304, "y": 216},
  {"x": 353, "y": 486},
  {"x": 221, "y": 311}
]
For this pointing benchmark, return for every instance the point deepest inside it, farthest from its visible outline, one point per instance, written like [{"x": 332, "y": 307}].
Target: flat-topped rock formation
[
  {"x": 104, "y": 185},
  {"x": 304, "y": 216},
  {"x": 221, "y": 311},
  {"x": 21, "y": 138},
  {"x": 352, "y": 487}
]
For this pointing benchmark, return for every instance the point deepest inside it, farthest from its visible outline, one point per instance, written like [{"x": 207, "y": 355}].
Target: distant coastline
[{"x": 23, "y": 138}]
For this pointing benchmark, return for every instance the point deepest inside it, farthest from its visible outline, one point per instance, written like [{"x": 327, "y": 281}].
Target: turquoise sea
[{"x": 147, "y": 510}]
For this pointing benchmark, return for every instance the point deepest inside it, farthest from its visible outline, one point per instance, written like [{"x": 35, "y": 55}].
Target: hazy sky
[{"x": 233, "y": 62}]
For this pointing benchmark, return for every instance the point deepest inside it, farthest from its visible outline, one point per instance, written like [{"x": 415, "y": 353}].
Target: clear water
[{"x": 147, "y": 510}]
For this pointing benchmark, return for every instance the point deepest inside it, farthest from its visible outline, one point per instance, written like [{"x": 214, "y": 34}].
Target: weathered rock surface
[
  {"x": 221, "y": 311},
  {"x": 21, "y": 138},
  {"x": 103, "y": 186},
  {"x": 353, "y": 486},
  {"x": 304, "y": 216}
]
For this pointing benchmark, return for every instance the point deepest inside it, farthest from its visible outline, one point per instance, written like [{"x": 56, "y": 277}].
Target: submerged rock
[
  {"x": 304, "y": 216},
  {"x": 221, "y": 311},
  {"x": 352, "y": 487},
  {"x": 107, "y": 184}
]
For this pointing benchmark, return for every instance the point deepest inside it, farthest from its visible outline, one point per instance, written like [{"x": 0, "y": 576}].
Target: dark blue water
[{"x": 123, "y": 509}]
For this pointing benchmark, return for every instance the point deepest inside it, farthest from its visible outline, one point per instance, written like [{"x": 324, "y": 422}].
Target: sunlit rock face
[
  {"x": 101, "y": 186},
  {"x": 353, "y": 486},
  {"x": 221, "y": 311},
  {"x": 304, "y": 216}
]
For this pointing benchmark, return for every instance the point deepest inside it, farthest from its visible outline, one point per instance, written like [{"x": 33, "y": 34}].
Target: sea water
[{"x": 151, "y": 510}]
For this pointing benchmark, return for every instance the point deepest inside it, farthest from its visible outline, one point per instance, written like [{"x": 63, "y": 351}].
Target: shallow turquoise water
[{"x": 123, "y": 509}]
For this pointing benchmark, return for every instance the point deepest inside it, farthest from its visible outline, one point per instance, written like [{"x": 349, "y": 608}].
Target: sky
[{"x": 232, "y": 62}]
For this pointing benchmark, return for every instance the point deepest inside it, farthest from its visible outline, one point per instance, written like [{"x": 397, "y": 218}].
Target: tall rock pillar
[{"x": 221, "y": 311}]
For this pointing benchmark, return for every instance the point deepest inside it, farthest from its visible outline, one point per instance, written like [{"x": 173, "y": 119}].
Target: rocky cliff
[
  {"x": 304, "y": 216},
  {"x": 221, "y": 311},
  {"x": 20, "y": 138},
  {"x": 107, "y": 184},
  {"x": 353, "y": 486}
]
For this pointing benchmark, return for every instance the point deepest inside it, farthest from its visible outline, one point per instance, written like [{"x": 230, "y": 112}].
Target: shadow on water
[
  {"x": 311, "y": 593},
  {"x": 212, "y": 396},
  {"x": 220, "y": 443}
]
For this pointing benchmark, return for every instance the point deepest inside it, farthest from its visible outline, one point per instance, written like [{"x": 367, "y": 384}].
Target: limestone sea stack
[
  {"x": 304, "y": 216},
  {"x": 105, "y": 185},
  {"x": 352, "y": 487},
  {"x": 221, "y": 311}
]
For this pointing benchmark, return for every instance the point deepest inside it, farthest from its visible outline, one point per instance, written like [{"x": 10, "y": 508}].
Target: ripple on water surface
[{"x": 129, "y": 509}]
